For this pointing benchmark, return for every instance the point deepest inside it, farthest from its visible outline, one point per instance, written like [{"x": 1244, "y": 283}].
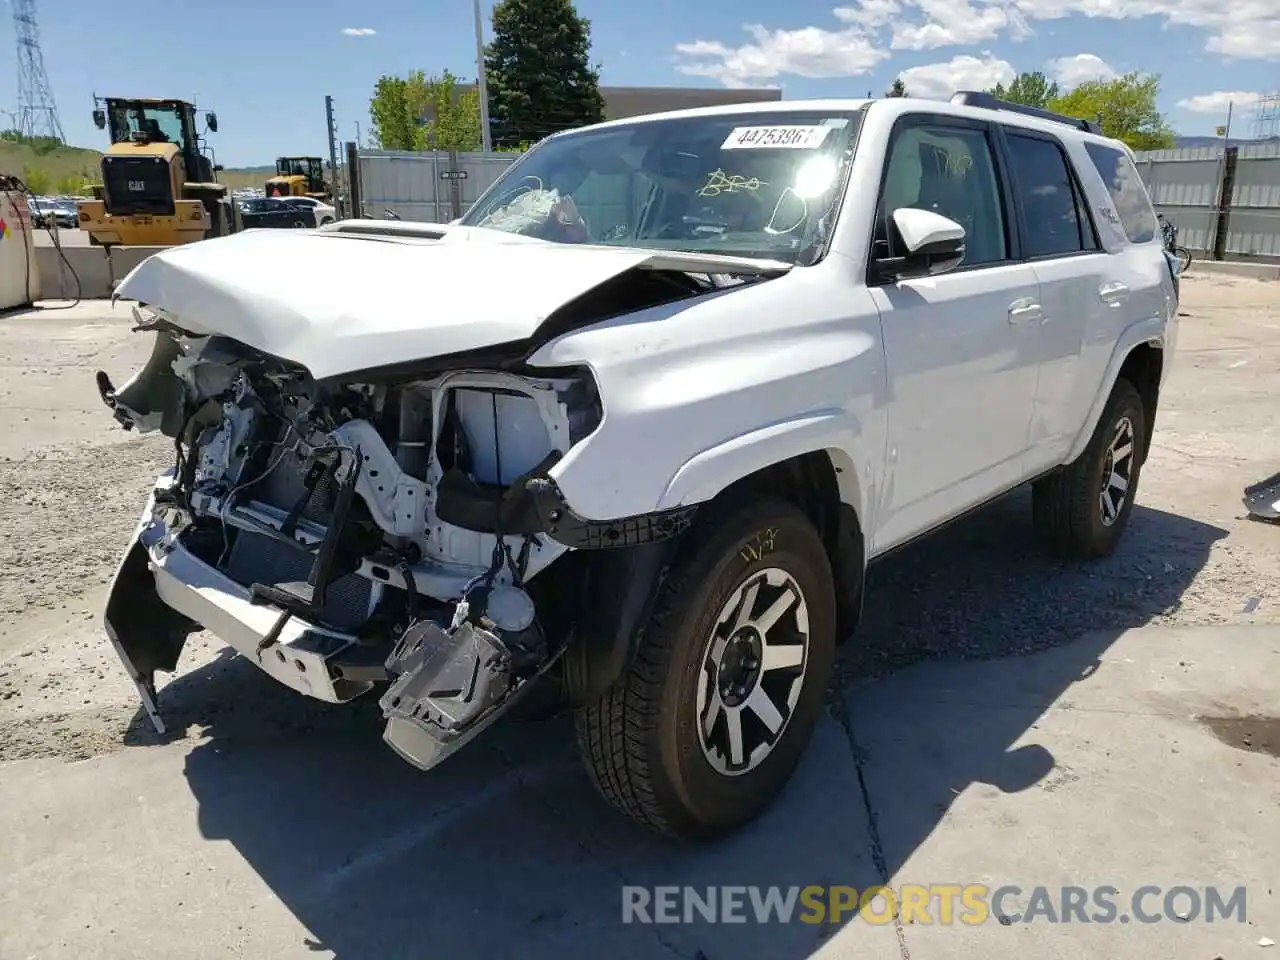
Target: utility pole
[
  {"x": 332, "y": 128},
  {"x": 482, "y": 87}
]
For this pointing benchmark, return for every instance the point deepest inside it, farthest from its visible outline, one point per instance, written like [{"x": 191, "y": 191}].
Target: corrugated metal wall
[
  {"x": 1253, "y": 227},
  {"x": 1186, "y": 186},
  {"x": 425, "y": 186}
]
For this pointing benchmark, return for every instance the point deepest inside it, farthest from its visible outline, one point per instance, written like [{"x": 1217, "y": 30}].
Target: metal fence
[
  {"x": 1225, "y": 202},
  {"x": 434, "y": 187}
]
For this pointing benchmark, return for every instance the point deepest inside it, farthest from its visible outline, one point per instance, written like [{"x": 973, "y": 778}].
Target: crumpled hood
[{"x": 338, "y": 303}]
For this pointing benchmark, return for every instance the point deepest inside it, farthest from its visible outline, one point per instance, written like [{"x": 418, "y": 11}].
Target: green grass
[{"x": 69, "y": 169}]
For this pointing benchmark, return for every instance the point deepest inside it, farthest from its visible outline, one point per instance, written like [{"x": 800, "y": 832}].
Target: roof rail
[{"x": 976, "y": 98}]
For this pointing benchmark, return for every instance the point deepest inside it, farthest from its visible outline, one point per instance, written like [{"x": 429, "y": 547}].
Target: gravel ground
[{"x": 72, "y": 483}]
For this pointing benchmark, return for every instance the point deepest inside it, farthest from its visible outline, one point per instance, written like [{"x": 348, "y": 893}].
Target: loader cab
[
  {"x": 297, "y": 177},
  {"x": 159, "y": 182},
  {"x": 153, "y": 122}
]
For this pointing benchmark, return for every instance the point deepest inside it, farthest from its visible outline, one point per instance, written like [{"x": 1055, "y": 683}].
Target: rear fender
[{"x": 1150, "y": 330}]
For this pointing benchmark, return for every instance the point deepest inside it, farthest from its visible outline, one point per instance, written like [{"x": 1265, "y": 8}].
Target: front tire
[
  {"x": 707, "y": 725},
  {"x": 1081, "y": 511}
]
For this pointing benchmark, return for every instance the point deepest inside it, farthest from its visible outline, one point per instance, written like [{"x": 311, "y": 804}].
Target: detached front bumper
[{"x": 162, "y": 592}]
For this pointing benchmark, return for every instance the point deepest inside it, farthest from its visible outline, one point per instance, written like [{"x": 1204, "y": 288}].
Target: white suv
[{"x": 634, "y": 427}]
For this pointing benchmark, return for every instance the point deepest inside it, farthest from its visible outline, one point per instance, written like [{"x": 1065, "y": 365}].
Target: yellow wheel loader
[
  {"x": 159, "y": 188},
  {"x": 298, "y": 177}
]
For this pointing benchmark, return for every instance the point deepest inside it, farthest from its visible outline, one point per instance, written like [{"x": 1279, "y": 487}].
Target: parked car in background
[
  {"x": 275, "y": 212},
  {"x": 324, "y": 212},
  {"x": 53, "y": 213}
]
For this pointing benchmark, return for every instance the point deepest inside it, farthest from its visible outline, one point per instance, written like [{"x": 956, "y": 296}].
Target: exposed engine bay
[{"x": 400, "y": 523}]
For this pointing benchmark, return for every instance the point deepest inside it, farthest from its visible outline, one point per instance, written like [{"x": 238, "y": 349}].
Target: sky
[{"x": 266, "y": 68}]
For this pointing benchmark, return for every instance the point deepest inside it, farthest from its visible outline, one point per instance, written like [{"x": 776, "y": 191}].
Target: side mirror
[
  {"x": 931, "y": 244},
  {"x": 100, "y": 119},
  {"x": 211, "y": 121},
  {"x": 218, "y": 168}
]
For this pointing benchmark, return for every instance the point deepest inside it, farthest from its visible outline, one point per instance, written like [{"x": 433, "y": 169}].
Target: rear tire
[
  {"x": 1082, "y": 511},
  {"x": 683, "y": 742},
  {"x": 1184, "y": 258}
]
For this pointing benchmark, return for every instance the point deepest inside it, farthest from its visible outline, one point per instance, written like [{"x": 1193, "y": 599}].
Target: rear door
[
  {"x": 960, "y": 346},
  {"x": 1060, "y": 242}
]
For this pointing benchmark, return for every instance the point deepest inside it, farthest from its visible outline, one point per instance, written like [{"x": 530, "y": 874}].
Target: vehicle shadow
[{"x": 505, "y": 850}]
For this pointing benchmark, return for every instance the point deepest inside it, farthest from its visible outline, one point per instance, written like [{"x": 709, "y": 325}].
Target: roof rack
[{"x": 976, "y": 98}]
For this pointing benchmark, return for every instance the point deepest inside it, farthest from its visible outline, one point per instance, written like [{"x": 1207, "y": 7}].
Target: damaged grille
[{"x": 257, "y": 558}]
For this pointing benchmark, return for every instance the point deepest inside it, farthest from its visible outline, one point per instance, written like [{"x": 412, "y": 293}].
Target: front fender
[
  {"x": 1149, "y": 330},
  {"x": 705, "y": 474}
]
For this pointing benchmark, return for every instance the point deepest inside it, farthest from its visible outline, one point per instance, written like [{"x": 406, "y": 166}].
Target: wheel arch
[
  {"x": 619, "y": 587},
  {"x": 1139, "y": 357}
]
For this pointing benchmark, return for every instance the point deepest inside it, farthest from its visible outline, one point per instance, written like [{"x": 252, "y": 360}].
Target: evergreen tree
[
  {"x": 538, "y": 71},
  {"x": 898, "y": 89}
]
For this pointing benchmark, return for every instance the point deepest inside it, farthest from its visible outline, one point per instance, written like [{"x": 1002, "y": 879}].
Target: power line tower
[
  {"x": 37, "y": 113},
  {"x": 1266, "y": 117}
]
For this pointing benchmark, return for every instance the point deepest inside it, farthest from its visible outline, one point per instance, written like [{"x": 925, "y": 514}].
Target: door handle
[
  {"x": 1114, "y": 293},
  {"x": 1025, "y": 310}
]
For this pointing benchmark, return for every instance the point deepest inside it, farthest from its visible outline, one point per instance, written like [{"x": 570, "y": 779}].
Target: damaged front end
[{"x": 347, "y": 535}]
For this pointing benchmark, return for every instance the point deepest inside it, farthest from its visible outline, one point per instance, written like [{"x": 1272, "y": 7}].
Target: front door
[{"x": 960, "y": 347}]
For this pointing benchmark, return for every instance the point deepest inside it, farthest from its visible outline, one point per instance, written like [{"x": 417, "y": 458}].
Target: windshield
[
  {"x": 744, "y": 184},
  {"x": 297, "y": 167},
  {"x": 147, "y": 124}
]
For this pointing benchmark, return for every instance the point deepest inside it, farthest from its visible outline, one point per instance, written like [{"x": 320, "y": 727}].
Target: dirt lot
[{"x": 71, "y": 483}]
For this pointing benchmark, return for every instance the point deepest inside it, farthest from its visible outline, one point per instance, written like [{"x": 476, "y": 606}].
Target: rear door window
[
  {"x": 1128, "y": 193},
  {"x": 1057, "y": 225}
]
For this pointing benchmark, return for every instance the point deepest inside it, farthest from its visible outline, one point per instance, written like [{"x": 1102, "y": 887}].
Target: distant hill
[{"x": 66, "y": 170}]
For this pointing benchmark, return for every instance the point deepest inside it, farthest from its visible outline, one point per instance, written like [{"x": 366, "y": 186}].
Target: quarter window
[
  {"x": 1056, "y": 224},
  {"x": 1133, "y": 206},
  {"x": 949, "y": 170}
]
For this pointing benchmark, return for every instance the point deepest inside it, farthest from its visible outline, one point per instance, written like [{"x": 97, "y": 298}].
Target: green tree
[
  {"x": 418, "y": 112},
  {"x": 452, "y": 115},
  {"x": 391, "y": 124},
  {"x": 70, "y": 185},
  {"x": 897, "y": 89},
  {"x": 37, "y": 179},
  {"x": 1125, "y": 107},
  {"x": 539, "y": 72},
  {"x": 1029, "y": 89}
]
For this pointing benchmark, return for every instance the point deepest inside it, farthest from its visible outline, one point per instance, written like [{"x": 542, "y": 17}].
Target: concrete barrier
[
  {"x": 97, "y": 271},
  {"x": 57, "y": 280},
  {"x": 1235, "y": 268},
  {"x": 124, "y": 259}
]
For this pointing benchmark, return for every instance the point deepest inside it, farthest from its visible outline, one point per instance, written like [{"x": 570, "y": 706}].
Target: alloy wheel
[{"x": 753, "y": 671}]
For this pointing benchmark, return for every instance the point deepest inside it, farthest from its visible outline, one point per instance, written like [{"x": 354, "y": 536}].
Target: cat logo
[{"x": 137, "y": 186}]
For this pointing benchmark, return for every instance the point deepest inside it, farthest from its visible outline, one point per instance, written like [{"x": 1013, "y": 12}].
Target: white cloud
[
  {"x": 1070, "y": 72},
  {"x": 359, "y": 31},
  {"x": 807, "y": 52},
  {"x": 869, "y": 13},
  {"x": 1218, "y": 101},
  {"x": 940, "y": 80},
  {"x": 865, "y": 30},
  {"x": 949, "y": 23},
  {"x": 1238, "y": 28}
]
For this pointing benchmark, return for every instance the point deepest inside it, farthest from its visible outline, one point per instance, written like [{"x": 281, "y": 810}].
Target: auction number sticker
[{"x": 789, "y": 137}]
